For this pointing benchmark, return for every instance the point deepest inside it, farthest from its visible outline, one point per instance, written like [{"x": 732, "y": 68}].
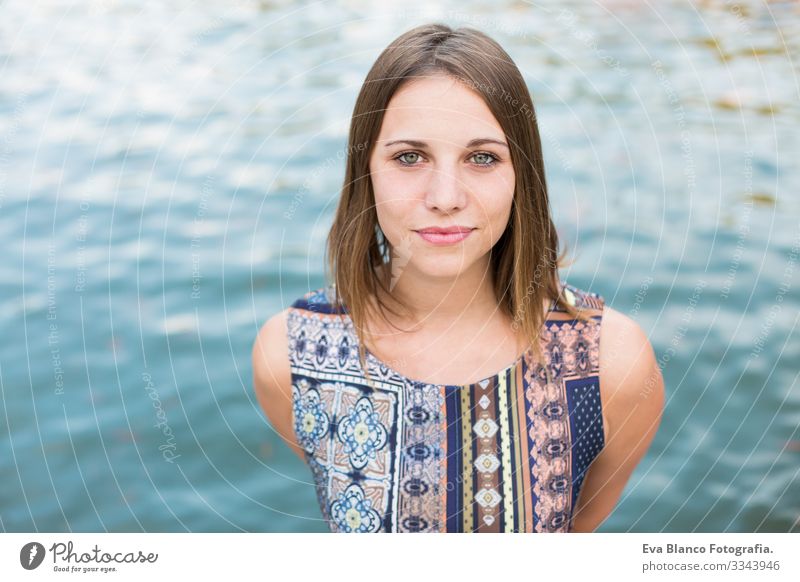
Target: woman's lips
[{"x": 442, "y": 239}]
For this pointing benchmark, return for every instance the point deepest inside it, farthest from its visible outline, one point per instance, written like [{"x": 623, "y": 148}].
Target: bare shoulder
[
  {"x": 632, "y": 396},
  {"x": 629, "y": 373},
  {"x": 272, "y": 377}
]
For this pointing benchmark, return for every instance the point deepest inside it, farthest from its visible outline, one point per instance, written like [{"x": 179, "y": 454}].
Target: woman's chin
[{"x": 440, "y": 266}]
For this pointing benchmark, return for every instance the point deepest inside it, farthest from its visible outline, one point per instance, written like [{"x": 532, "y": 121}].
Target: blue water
[{"x": 168, "y": 173}]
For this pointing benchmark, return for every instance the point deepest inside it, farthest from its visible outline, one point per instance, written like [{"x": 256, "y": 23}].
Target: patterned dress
[{"x": 506, "y": 454}]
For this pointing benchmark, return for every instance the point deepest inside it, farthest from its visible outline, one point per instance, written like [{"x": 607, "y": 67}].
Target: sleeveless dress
[{"x": 505, "y": 454}]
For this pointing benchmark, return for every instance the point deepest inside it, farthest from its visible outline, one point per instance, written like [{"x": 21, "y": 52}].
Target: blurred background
[{"x": 169, "y": 171}]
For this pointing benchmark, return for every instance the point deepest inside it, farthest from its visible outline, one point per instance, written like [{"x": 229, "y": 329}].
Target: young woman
[{"x": 447, "y": 379}]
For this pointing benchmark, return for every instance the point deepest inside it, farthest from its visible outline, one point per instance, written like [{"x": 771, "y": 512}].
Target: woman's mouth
[{"x": 444, "y": 238}]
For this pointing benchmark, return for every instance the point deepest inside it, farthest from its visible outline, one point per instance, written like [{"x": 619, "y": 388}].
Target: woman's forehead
[
  {"x": 434, "y": 91},
  {"x": 438, "y": 109}
]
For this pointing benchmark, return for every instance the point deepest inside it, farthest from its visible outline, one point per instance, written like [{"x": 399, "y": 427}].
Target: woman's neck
[{"x": 434, "y": 303}]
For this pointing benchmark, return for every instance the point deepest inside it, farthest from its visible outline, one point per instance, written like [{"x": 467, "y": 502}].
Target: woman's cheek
[{"x": 390, "y": 221}]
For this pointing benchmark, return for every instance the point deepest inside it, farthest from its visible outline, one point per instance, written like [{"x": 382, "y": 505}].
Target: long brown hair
[{"x": 524, "y": 262}]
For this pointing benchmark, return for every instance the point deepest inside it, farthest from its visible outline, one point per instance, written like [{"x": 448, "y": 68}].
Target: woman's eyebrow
[
  {"x": 473, "y": 143},
  {"x": 483, "y": 140}
]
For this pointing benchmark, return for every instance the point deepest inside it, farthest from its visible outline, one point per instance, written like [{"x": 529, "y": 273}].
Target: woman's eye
[
  {"x": 484, "y": 159},
  {"x": 406, "y": 161}
]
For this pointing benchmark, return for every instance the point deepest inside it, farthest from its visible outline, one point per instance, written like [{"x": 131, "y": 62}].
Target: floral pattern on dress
[
  {"x": 361, "y": 432},
  {"x": 311, "y": 422},
  {"x": 353, "y": 512}
]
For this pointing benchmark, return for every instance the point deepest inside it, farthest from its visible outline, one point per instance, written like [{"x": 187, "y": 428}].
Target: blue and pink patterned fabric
[{"x": 506, "y": 454}]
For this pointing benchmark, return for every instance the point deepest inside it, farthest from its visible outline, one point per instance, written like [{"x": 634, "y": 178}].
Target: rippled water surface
[{"x": 168, "y": 173}]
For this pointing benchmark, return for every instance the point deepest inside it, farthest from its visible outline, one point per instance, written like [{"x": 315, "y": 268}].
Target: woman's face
[{"x": 441, "y": 160}]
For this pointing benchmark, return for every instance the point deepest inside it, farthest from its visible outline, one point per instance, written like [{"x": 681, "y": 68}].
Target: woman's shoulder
[
  {"x": 272, "y": 376},
  {"x": 632, "y": 387},
  {"x": 625, "y": 348},
  {"x": 628, "y": 368}
]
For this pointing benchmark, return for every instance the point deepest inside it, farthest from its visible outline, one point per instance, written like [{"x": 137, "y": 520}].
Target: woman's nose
[{"x": 445, "y": 190}]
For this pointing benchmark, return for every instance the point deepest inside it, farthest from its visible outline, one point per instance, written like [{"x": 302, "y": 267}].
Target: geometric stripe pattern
[{"x": 506, "y": 454}]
